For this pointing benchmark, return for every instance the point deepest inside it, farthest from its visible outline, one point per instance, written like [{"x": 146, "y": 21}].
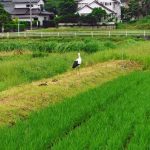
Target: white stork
[{"x": 77, "y": 62}]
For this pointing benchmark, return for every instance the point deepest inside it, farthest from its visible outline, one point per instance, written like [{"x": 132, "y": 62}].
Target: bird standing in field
[{"x": 77, "y": 62}]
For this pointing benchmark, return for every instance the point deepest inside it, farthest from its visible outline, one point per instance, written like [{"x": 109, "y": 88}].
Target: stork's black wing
[{"x": 75, "y": 64}]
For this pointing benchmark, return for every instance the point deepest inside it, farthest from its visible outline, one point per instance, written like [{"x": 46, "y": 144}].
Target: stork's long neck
[{"x": 79, "y": 56}]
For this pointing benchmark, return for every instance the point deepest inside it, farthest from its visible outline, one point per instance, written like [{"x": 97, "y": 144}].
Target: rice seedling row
[
  {"x": 104, "y": 117},
  {"x": 116, "y": 124}
]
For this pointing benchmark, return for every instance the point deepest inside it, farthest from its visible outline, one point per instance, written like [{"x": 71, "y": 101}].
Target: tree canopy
[
  {"x": 136, "y": 9},
  {"x": 67, "y": 7},
  {"x": 61, "y": 6},
  {"x": 4, "y": 16},
  {"x": 94, "y": 17},
  {"x": 99, "y": 13}
]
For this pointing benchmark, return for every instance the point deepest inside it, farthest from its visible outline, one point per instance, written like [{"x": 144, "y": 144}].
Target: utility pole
[
  {"x": 3, "y": 29},
  {"x": 30, "y": 15},
  {"x": 18, "y": 27}
]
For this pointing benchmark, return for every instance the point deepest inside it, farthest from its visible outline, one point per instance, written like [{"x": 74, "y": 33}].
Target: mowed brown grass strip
[{"x": 18, "y": 102}]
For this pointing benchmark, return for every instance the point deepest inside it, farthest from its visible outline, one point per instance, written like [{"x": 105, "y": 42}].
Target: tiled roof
[
  {"x": 25, "y": 1},
  {"x": 78, "y": 1},
  {"x": 9, "y": 7},
  {"x": 26, "y": 11}
]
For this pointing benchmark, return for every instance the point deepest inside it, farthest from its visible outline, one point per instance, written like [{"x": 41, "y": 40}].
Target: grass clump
[{"x": 39, "y": 54}]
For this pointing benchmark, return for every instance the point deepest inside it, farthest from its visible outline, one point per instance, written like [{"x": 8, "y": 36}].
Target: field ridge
[{"x": 18, "y": 102}]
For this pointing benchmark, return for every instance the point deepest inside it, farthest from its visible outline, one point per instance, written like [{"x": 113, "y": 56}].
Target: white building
[
  {"x": 112, "y": 7},
  {"x": 21, "y": 9}
]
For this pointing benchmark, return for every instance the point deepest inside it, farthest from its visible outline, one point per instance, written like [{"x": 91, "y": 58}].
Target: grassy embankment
[
  {"x": 17, "y": 103},
  {"x": 142, "y": 24},
  {"x": 114, "y": 116}
]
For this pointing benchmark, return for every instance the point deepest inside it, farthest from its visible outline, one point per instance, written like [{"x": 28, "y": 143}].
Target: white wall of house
[
  {"x": 40, "y": 19},
  {"x": 26, "y": 6},
  {"x": 86, "y": 10},
  {"x": 95, "y": 5},
  {"x": 27, "y": 19},
  {"x": 110, "y": 4},
  {"x": 35, "y": 5},
  {"x": 41, "y": 2},
  {"x": 84, "y": 2}
]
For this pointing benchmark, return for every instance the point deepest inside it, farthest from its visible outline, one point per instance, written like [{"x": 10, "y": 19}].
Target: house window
[
  {"x": 114, "y": 5},
  {"x": 35, "y": 19},
  {"x": 107, "y": 4},
  {"x": 41, "y": 7},
  {"x": 28, "y": 5}
]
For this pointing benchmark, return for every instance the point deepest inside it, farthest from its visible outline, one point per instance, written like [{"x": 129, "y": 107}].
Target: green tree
[
  {"x": 66, "y": 12},
  {"x": 67, "y": 7},
  {"x": 4, "y": 16},
  {"x": 145, "y": 4},
  {"x": 99, "y": 14},
  {"x": 94, "y": 17},
  {"x": 89, "y": 19},
  {"x": 135, "y": 9},
  {"x": 51, "y": 8},
  {"x": 125, "y": 14}
]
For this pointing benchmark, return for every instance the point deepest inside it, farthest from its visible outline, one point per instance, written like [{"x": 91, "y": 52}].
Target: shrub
[
  {"x": 14, "y": 27},
  {"x": 91, "y": 46},
  {"x": 49, "y": 23},
  {"x": 109, "y": 44},
  {"x": 75, "y": 46}
]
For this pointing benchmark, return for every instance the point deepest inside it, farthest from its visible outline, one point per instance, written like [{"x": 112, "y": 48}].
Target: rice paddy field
[{"x": 44, "y": 104}]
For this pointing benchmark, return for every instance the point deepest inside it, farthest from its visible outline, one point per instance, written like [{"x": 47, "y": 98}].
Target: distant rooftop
[
  {"x": 9, "y": 7},
  {"x": 25, "y": 1},
  {"x": 20, "y": 1}
]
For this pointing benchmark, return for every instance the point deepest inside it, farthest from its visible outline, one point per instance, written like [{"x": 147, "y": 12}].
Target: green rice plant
[
  {"x": 113, "y": 123},
  {"x": 112, "y": 116}
]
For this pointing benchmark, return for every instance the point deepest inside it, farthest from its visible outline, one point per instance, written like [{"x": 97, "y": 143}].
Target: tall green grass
[
  {"x": 114, "y": 116},
  {"x": 61, "y": 45},
  {"x": 16, "y": 70}
]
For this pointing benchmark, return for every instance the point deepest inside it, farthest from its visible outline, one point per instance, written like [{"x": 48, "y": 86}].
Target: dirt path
[
  {"x": 18, "y": 102},
  {"x": 13, "y": 53}
]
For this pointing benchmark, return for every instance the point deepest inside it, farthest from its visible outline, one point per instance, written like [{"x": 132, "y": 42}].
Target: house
[
  {"x": 27, "y": 10},
  {"x": 112, "y": 7}
]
